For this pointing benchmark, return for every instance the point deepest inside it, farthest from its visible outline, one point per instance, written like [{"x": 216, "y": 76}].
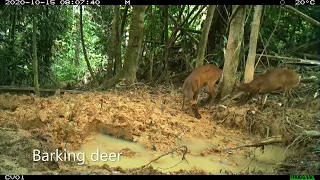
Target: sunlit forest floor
[{"x": 152, "y": 118}]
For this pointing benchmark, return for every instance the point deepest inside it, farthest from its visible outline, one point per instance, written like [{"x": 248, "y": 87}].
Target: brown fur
[
  {"x": 273, "y": 80},
  {"x": 201, "y": 76}
]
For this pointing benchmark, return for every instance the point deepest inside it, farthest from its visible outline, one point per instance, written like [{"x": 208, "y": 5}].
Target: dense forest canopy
[{"x": 60, "y": 53}]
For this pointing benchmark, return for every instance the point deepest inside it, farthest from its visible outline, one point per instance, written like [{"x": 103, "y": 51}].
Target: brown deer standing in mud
[
  {"x": 273, "y": 80},
  {"x": 199, "y": 77}
]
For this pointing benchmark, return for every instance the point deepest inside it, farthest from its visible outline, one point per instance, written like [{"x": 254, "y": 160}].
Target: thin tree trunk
[
  {"x": 76, "y": 29},
  {"x": 35, "y": 56},
  {"x": 204, "y": 36},
  {"x": 117, "y": 43},
  {"x": 232, "y": 52},
  {"x": 163, "y": 27},
  {"x": 110, "y": 49},
  {"x": 113, "y": 48},
  {"x": 12, "y": 35},
  {"x": 13, "y": 25},
  {"x": 249, "y": 69},
  {"x": 151, "y": 65},
  {"x": 150, "y": 51},
  {"x": 85, "y": 51},
  {"x": 124, "y": 17},
  {"x": 76, "y": 59},
  {"x": 165, "y": 58},
  {"x": 149, "y": 35}
]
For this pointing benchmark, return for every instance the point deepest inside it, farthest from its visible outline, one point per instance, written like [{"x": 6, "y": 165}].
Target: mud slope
[{"x": 151, "y": 119}]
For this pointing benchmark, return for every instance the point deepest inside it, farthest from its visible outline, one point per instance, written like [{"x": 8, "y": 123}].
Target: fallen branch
[
  {"x": 313, "y": 62},
  {"x": 224, "y": 98},
  {"x": 309, "y": 80},
  {"x": 314, "y": 134},
  {"x": 11, "y": 88},
  {"x": 275, "y": 140},
  {"x": 174, "y": 150},
  {"x": 304, "y": 135},
  {"x": 304, "y": 63},
  {"x": 259, "y": 144},
  {"x": 237, "y": 95}
]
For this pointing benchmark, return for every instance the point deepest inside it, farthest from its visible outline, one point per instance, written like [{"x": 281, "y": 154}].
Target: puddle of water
[
  {"x": 211, "y": 163},
  {"x": 273, "y": 153},
  {"x": 196, "y": 145}
]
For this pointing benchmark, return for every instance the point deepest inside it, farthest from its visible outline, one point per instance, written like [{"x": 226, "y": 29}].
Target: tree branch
[{"x": 298, "y": 13}]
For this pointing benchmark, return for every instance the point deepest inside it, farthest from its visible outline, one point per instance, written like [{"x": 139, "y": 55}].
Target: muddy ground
[{"x": 152, "y": 118}]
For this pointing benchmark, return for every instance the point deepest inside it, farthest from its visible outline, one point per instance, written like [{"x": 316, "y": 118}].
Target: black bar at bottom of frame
[{"x": 103, "y": 177}]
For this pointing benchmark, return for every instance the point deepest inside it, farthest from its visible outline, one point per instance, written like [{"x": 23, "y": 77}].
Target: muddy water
[{"x": 236, "y": 163}]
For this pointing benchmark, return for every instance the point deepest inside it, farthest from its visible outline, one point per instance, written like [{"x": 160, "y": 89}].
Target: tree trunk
[
  {"x": 151, "y": 54},
  {"x": 123, "y": 20},
  {"x": 35, "y": 56},
  {"x": 129, "y": 70},
  {"x": 113, "y": 53},
  {"x": 12, "y": 34},
  {"x": 166, "y": 31},
  {"x": 13, "y": 25},
  {"x": 163, "y": 27},
  {"x": 249, "y": 70},
  {"x": 47, "y": 42},
  {"x": 76, "y": 59},
  {"x": 85, "y": 51},
  {"x": 110, "y": 48},
  {"x": 117, "y": 43},
  {"x": 76, "y": 28},
  {"x": 204, "y": 36},
  {"x": 134, "y": 46},
  {"x": 231, "y": 59}
]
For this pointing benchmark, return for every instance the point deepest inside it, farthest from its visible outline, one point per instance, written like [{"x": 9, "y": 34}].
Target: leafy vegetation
[{"x": 60, "y": 52}]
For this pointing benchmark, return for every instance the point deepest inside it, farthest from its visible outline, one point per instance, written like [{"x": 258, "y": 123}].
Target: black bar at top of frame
[
  {"x": 214, "y": 2},
  {"x": 200, "y": 2},
  {"x": 160, "y": 2}
]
